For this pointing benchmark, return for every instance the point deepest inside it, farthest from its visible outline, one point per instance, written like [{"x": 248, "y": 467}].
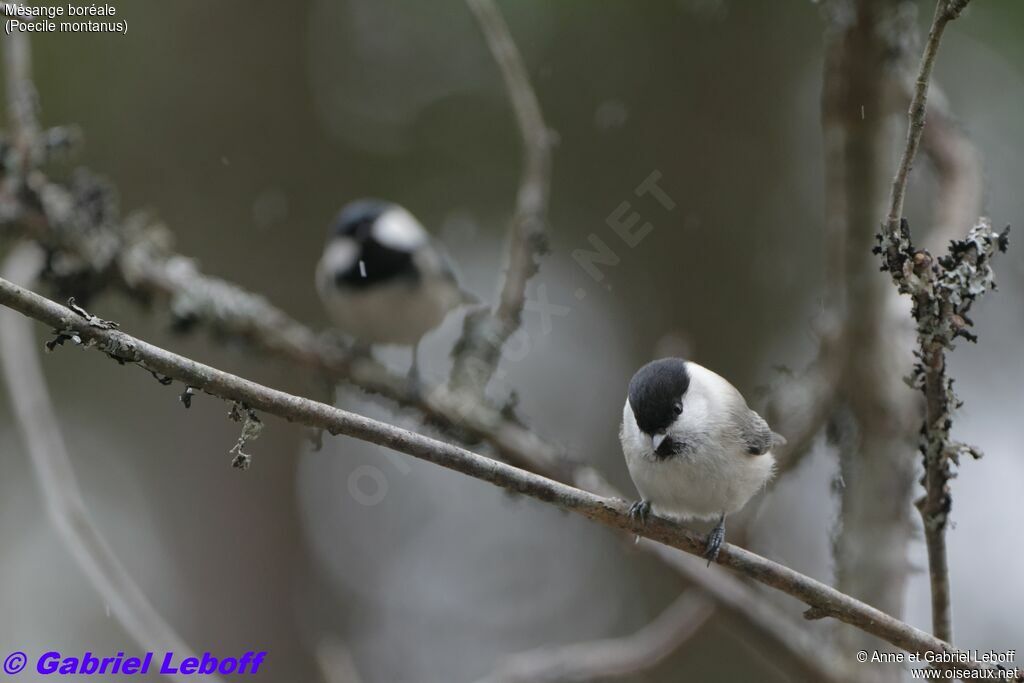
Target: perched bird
[
  {"x": 693, "y": 447},
  {"x": 383, "y": 280}
]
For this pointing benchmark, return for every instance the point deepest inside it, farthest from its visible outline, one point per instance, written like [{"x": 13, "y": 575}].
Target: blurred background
[{"x": 246, "y": 125}]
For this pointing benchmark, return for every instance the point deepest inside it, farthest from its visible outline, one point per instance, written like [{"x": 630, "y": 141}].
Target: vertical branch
[
  {"x": 478, "y": 351},
  {"x": 21, "y": 96},
  {"x": 942, "y": 291},
  {"x": 875, "y": 411},
  {"x": 945, "y": 11},
  {"x": 33, "y": 409},
  {"x": 937, "y": 502}
]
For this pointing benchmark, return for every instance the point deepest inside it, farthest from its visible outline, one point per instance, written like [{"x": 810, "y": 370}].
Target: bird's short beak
[{"x": 656, "y": 440}]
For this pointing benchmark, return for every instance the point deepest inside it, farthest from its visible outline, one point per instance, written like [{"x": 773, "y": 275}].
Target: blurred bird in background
[{"x": 383, "y": 280}]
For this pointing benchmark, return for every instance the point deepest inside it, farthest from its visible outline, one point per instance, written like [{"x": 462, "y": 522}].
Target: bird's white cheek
[
  {"x": 340, "y": 256},
  {"x": 634, "y": 442},
  {"x": 694, "y": 419}
]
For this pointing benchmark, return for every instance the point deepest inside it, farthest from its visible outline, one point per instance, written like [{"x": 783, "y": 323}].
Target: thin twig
[
  {"x": 945, "y": 11},
  {"x": 630, "y": 655},
  {"x": 942, "y": 293},
  {"x": 478, "y": 351},
  {"x": 613, "y": 513},
  {"x": 54, "y": 473}
]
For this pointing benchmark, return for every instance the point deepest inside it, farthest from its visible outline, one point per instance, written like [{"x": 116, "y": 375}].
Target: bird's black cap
[
  {"x": 655, "y": 392},
  {"x": 356, "y": 218}
]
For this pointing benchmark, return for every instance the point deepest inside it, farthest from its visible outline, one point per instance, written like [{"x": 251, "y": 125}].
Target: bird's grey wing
[
  {"x": 755, "y": 434},
  {"x": 442, "y": 263}
]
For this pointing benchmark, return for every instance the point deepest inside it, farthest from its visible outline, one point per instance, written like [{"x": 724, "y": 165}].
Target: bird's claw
[
  {"x": 413, "y": 384},
  {"x": 640, "y": 510},
  {"x": 713, "y": 542}
]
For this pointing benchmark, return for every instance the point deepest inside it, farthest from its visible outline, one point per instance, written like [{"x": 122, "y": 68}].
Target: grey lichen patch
[
  {"x": 943, "y": 291},
  {"x": 84, "y": 239},
  {"x": 121, "y": 348},
  {"x": 222, "y": 306},
  {"x": 251, "y": 428}
]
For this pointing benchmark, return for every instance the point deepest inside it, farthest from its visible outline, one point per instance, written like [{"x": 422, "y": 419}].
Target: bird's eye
[{"x": 677, "y": 408}]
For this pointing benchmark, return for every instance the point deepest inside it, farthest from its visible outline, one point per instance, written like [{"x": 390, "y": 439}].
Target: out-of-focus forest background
[{"x": 245, "y": 125}]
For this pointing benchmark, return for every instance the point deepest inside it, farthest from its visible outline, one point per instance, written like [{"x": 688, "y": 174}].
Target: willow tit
[
  {"x": 693, "y": 447},
  {"x": 381, "y": 278}
]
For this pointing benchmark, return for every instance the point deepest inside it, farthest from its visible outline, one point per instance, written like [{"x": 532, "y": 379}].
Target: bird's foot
[
  {"x": 714, "y": 540},
  {"x": 413, "y": 384},
  {"x": 412, "y": 380},
  {"x": 640, "y": 510}
]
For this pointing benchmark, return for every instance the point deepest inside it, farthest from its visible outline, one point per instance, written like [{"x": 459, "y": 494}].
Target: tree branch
[
  {"x": 807, "y": 655},
  {"x": 136, "y": 256},
  {"x": 945, "y": 11},
  {"x": 73, "y": 324},
  {"x": 942, "y": 291},
  {"x": 874, "y": 416},
  {"x": 478, "y": 351},
  {"x": 144, "y": 267},
  {"x": 54, "y": 473},
  {"x": 21, "y": 97},
  {"x": 613, "y": 657}
]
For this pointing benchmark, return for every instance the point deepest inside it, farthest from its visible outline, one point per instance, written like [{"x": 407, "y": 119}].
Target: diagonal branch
[
  {"x": 51, "y": 464},
  {"x": 613, "y": 513},
  {"x": 136, "y": 258}
]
